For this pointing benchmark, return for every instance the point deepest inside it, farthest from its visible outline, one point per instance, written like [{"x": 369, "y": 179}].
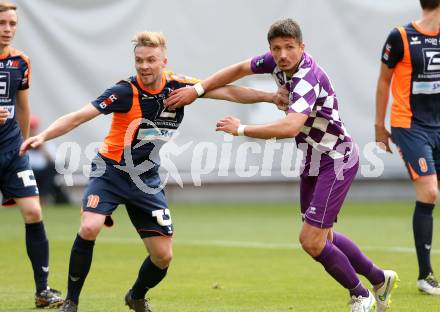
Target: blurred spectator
[{"x": 42, "y": 161}]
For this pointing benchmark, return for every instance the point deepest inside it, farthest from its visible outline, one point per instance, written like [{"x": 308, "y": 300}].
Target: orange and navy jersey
[
  {"x": 15, "y": 75},
  {"x": 415, "y": 57},
  {"x": 141, "y": 124}
]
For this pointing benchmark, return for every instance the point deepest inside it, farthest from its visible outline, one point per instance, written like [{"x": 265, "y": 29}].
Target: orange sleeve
[{"x": 401, "y": 114}]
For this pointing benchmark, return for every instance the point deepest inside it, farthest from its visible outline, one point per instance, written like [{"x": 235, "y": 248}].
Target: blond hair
[
  {"x": 6, "y": 6},
  {"x": 149, "y": 39}
]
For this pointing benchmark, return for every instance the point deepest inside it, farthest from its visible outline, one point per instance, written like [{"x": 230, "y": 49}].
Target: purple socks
[
  {"x": 358, "y": 260},
  {"x": 339, "y": 267}
]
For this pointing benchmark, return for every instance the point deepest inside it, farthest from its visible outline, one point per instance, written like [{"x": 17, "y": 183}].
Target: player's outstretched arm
[
  {"x": 287, "y": 127},
  {"x": 241, "y": 95},
  {"x": 382, "y": 97},
  {"x": 61, "y": 126},
  {"x": 23, "y": 112},
  {"x": 185, "y": 96},
  {"x": 249, "y": 96}
]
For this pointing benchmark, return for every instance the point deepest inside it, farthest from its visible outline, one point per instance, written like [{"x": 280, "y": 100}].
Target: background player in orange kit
[
  {"x": 17, "y": 182},
  {"x": 411, "y": 60}
]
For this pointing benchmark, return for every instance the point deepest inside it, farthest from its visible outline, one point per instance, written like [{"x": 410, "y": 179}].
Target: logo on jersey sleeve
[
  {"x": 5, "y": 82},
  {"x": 259, "y": 63},
  {"x": 25, "y": 80},
  {"x": 387, "y": 52},
  {"x": 112, "y": 98}
]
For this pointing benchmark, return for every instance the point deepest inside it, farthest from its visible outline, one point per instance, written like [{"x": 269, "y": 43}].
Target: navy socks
[{"x": 37, "y": 247}]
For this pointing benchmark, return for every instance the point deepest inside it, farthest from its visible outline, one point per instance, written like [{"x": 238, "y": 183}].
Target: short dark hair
[
  {"x": 6, "y": 6},
  {"x": 429, "y": 4},
  {"x": 285, "y": 28}
]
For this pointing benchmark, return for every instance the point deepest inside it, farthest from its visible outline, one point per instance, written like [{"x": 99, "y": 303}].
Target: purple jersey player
[{"x": 331, "y": 159}]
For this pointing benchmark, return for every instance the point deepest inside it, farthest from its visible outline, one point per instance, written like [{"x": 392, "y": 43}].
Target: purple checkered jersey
[{"x": 311, "y": 93}]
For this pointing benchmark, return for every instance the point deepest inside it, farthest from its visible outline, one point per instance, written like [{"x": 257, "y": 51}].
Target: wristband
[
  {"x": 240, "y": 130},
  {"x": 199, "y": 89}
]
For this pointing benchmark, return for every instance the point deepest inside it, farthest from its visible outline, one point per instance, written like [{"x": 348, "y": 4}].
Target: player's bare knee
[
  {"x": 426, "y": 189},
  {"x": 431, "y": 194},
  {"x": 89, "y": 231},
  {"x": 427, "y": 194},
  {"x": 311, "y": 245},
  {"x": 32, "y": 215},
  {"x": 312, "y": 248},
  {"x": 30, "y": 209},
  {"x": 162, "y": 260},
  {"x": 306, "y": 242},
  {"x": 166, "y": 258}
]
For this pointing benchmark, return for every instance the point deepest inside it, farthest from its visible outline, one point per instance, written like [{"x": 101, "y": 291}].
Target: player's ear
[{"x": 165, "y": 60}]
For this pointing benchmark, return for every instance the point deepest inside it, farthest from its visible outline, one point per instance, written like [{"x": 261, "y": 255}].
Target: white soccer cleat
[
  {"x": 362, "y": 304},
  {"x": 383, "y": 293},
  {"x": 429, "y": 285}
]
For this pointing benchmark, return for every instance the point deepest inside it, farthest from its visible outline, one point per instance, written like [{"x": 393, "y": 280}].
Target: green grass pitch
[{"x": 227, "y": 258}]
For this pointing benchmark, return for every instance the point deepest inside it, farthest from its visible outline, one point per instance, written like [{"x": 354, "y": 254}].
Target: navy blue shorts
[
  {"x": 148, "y": 212},
  {"x": 419, "y": 148},
  {"x": 16, "y": 177}
]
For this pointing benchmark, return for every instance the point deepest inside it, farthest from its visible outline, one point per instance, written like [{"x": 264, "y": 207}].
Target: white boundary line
[
  {"x": 263, "y": 245},
  {"x": 244, "y": 244}
]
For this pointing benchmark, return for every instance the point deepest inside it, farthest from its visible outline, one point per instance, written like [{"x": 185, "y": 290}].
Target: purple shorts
[{"x": 323, "y": 193}]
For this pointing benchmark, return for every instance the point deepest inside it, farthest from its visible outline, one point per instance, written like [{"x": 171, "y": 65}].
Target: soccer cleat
[
  {"x": 429, "y": 285},
  {"x": 383, "y": 293},
  {"x": 48, "y": 298},
  {"x": 68, "y": 306},
  {"x": 362, "y": 304},
  {"x": 138, "y": 305}
]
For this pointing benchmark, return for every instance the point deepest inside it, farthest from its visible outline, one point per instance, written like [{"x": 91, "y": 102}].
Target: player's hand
[
  {"x": 383, "y": 137},
  {"x": 4, "y": 114},
  {"x": 228, "y": 124},
  {"x": 181, "y": 97},
  {"x": 32, "y": 142},
  {"x": 281, "y": 98}
]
